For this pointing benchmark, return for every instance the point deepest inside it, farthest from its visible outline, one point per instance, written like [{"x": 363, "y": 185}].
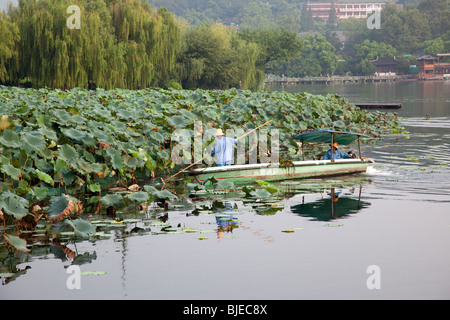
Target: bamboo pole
[
  {"x": 164, "y": 181},
  {"x": 332, "y": 141}
]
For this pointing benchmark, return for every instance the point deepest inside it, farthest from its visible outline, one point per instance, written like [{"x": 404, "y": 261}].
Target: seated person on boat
[
  {"x": 224, "y": 149},
  {"x": 337, "y": 154}
]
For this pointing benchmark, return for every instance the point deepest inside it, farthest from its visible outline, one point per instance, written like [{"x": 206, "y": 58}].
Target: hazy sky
[{"x": 4, "y": 4}]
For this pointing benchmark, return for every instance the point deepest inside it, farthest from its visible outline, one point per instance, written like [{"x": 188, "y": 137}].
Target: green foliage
[
  {"x": 215, "y": 57},
  {"x": 276, "y": 44},
  {"x": 316, "y": 58},
  {"x": 17, "y": 243},
  {"x": 64, "y": 143},
  {"x": 8, "y": 52},
  {"x": 120, "y": 43},
  {"x": 82, "y": 228},
  {"x": 367, "y": 51},
  {"x": 402, "y": 31}
]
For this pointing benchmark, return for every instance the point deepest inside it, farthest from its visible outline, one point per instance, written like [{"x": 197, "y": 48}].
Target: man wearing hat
[
  {"x": 337, "y": 154},
  {"x": 224, "y": 149}
]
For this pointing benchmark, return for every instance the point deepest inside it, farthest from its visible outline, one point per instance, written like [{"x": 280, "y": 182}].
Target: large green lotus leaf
[
  {"x": 16, "y": 242},
  {"x": 11, "y": 171},
  {"x": 140, "y": 154},
  {"x": 339, "y": 124},
  {"x": 82, "y": 228},
  {"x": 101, "y": 135},
  {"x": 14, "y": 205},
  {"x": 75, "y": 133},
  {"x": 138, "y": 196},
  {"x": 177, "y": 121},
  {"x": 58, "y": 204},
  {"x": 62, "y": 115},
  {"x": 10, "y": 139},
  {"x": 44, "y": 177},
  {"x": 211, "y": 114},
  {"x": 117, "y": 161},
  {"x": 187, "y": 114},
  {"x": 77, "y": 119},
  {"x": 4, "y": 160},
  {"x": 49, "y": 133},
  {"x": 164, "y": 195},
  {"x": 111, "y": 199},
  {"x": 68, "y": 154},
  {"x": 150, "y": 164},
  {"x": 33, "y": 140},
  {"x": 127, "y": 114},
  {"x": 40, "y": 193}
]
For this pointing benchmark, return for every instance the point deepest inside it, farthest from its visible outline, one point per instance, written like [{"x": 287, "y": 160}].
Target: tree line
[
  {"x": 406, "y": 33},
  {"x": 408, "y": 27},
  {"x": 129, "y": 44}
]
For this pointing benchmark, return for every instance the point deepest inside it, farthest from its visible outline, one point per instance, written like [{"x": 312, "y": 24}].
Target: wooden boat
[{"x": 296, "y": 169}]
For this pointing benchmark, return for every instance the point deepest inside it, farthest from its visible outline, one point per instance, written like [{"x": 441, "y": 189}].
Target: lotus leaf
[
  {"x": 17, "y": 243},
  {"x": 44, "y": 177},
  {"x": 111, "y": 199},
  {"x": 82, "y": 228},
  {"x": 68, "y": 154},
  {"x": 139, "y": 196},
  {"x": 10, "y": 171},
  {"x": 14, "y": 205},
  {"x": 9, "y": 139}
]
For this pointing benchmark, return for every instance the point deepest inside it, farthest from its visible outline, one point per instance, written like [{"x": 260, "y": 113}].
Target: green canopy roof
[{"x": 324, "y": 136}]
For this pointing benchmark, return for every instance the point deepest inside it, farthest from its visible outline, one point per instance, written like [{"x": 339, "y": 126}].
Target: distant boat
[{"x": 295, "y": 169}]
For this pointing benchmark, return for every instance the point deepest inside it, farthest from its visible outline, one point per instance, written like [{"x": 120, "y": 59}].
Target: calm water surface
[{"x": 395, "y": 217}]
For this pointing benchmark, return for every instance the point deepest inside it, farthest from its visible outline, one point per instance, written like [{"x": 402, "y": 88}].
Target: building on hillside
[
  {"x": 344, "y": 8},
  {"x": 385, "y": 65},
  {"x": 442, "y": 67},
  {"x": 426, "y": 66},
  {"x": 433, "y": 67}
]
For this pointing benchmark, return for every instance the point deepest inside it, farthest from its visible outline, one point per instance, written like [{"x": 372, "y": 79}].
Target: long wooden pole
[
  {"x": 332, "y": 141},
  {"x": 164, "y": 181}
]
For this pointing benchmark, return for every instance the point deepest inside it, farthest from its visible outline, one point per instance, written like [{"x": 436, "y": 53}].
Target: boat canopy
[{"x": 324, "y": 136}]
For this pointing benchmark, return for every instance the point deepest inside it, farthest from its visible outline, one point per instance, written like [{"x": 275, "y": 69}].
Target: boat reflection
[{"x": 336, "y": 205}]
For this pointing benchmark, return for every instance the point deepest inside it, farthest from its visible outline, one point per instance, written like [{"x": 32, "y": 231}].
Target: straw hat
[
  {"x": 335, "y": 144},
  {"x": 219, "y": 132}
]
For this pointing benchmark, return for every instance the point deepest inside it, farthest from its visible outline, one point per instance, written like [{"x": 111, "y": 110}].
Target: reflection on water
[{"x": 336, "y": 205}]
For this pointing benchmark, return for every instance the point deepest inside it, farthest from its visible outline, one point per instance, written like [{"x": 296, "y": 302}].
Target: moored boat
[{"x": 294, "y": 169}]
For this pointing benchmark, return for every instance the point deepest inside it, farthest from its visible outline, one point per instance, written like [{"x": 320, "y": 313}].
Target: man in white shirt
[{"x": 224, "y": 149}]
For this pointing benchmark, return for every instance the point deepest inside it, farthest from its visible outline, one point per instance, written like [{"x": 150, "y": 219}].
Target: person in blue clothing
[
  {"x": 224, "y": 149},
  {"x": 337, "y": 154}
]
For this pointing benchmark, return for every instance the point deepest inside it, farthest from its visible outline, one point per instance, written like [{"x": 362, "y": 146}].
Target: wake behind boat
[{"x": 295, "y": 169}]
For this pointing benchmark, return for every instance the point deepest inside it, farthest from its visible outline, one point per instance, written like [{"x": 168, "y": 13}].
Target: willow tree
[
  {"x": 8, "y": 48},
  {"x": 150, "y": 40},
  {"x": 215, "y": 57},
  {"x": 120, "y": 43}
]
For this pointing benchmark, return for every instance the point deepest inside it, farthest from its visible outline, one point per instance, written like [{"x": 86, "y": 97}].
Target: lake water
[{"x": 386, "y": 235}]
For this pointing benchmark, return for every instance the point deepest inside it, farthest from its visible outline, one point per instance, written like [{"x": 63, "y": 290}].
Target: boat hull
[{"x": 268, "y": 172}]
